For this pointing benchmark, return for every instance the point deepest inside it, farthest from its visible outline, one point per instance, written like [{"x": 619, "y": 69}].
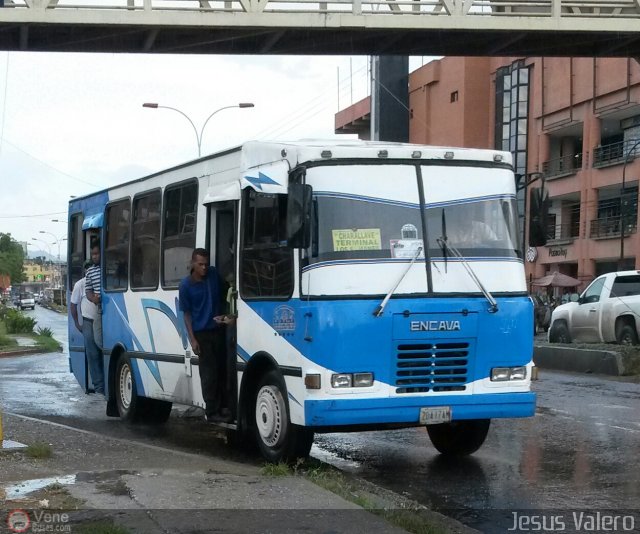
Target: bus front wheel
[
  {"x": 278, "y": 439},
  {"x": 459, "y": 438},
  {"x": 129, "y": 404}
]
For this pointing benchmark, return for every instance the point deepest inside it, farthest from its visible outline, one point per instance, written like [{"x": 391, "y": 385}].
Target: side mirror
[
  {"x": 299, "y": 215},
  {"x": 538, "y": 217}
]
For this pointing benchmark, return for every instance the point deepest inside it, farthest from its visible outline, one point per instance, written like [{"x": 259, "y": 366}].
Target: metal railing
[
  {"x": 556, "y": 232},
  {"x": 615, "y": 153},
  {"x": 610, "y": 226},
  {"x": 473, "y": 8},
  {"x": 562, "y": 166}
]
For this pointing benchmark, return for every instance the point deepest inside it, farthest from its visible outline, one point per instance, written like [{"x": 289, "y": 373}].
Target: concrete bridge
[{"x": 416, "y": 27}]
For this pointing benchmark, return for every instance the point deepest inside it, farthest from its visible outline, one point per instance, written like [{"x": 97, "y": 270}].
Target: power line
[
  {"x": 49, "y": 165},
  {"x": 32, "y": 215}
]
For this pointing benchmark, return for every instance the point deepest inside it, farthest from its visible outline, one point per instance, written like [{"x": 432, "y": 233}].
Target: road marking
[{"x": 619, "y": 428}]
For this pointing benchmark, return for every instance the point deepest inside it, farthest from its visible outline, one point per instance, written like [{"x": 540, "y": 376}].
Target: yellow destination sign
[{"x": 361, "y": 239}]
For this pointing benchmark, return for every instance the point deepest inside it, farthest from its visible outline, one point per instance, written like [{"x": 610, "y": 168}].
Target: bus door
[
  {"x": 84, "y": 232},
  {"x": 222, "y": 220}
]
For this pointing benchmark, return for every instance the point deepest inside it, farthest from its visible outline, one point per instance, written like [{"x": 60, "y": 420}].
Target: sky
[{"x": 72, "y": 124}]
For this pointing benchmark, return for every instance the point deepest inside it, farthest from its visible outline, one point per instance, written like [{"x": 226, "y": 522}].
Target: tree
[{"x": 11, "y": 258}]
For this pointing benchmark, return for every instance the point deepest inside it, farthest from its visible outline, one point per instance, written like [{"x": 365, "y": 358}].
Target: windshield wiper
[
  {"x": 380, "y": 308},
  {"x": 493, "y": 305}
]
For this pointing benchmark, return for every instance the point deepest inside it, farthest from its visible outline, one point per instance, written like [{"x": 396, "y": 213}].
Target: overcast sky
[{"x": 71, "y": 124}]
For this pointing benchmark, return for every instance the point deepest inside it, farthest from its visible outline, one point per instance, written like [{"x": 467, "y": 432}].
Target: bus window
[
  {"x": 179, "y": 237},
  {"x": 116, "y": 249},
  {"x": 267, "y": 263},
  {"x": 145, "y": 238},
  {"x": 76, "y": 249}
]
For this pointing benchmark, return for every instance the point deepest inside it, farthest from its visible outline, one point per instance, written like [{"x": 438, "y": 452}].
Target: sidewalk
[{"x": 146, "y": 488}]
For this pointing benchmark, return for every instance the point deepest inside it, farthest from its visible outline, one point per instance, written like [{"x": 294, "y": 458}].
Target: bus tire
[
  {"x": 278, "y": 439},
  {"x": 459, "y": 438},
  {"x": 130, "y": 406}
]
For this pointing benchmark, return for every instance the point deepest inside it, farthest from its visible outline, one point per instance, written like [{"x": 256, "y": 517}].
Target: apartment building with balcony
[{"x": 573, "y": 121}]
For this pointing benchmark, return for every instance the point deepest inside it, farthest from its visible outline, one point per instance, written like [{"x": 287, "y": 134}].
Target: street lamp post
[
  {"x": 622, "y": 206},
  {"x": 154, "y": 105},
  {"x": 58, "y": 270}
]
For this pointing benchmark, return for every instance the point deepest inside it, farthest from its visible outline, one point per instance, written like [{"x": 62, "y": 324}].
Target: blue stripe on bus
[
  {"x": 344, "y": 336},
  {"x": 337, "y": 411}
]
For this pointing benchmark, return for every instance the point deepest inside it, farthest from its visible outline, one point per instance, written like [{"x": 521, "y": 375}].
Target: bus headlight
[
  {"x": 352, "y": 380},
  {"x": 363, "y": 380},
  {"x": 504, "y": 374},
  {"x": 343, "y": 380}
]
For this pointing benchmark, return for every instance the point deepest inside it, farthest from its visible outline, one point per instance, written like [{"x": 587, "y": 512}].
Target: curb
[{"x": 23, "y": 352}]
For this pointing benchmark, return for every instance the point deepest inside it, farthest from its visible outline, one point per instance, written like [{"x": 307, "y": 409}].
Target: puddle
[{"x": 22, "y": 489}]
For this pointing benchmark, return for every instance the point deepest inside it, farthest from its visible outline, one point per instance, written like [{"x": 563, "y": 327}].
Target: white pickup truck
[{"x": 607, "y": 311}]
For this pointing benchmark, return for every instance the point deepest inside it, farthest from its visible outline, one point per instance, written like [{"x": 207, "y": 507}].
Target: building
[
  {"x": 576, "y": 120},
  {"x": 38, "y": 271}
]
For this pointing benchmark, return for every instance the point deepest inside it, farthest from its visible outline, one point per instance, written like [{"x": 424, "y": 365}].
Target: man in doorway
[
  {"x": 92, "y": 320},
  {"x": 77, "y": 296},
  {"x": 200, "y": 297},
  {"x": 93, "y": 287}
]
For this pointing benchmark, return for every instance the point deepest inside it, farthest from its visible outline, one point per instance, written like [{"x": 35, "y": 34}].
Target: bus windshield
[{"x": 349, "y": 228}]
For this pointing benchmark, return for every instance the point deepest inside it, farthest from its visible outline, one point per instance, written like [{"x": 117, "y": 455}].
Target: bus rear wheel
[
  {"x": 278, "y": 439},
  {"x": 459, "y": 438}
]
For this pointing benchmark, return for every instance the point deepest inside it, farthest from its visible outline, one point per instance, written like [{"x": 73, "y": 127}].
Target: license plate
[{"x": 435, "y": 416}]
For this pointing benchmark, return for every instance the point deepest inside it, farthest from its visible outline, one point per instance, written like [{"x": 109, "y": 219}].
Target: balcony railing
[
  {"x": 562, "y": 166},
  {"x": 556, "y": 232},
  {"x": 610, "y": 226},
  {"x": 615, "y": 153}
]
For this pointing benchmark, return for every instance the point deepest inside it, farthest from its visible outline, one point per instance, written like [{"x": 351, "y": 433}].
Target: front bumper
[{"x": 394, "y": 410}]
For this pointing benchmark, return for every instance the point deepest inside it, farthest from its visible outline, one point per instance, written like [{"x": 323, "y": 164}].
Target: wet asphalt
[{"x": 580, "y": 451}]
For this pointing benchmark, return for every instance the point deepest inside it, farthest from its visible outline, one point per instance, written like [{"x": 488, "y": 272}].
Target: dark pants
[
  {"x": 213, "y": 369},
  {"x": 94, "y": 355}
]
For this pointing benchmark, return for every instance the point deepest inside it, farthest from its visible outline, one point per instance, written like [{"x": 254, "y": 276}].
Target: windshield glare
[{"x": 348, "y": 228}]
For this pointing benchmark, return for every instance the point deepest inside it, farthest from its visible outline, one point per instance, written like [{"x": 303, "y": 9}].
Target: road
[{"x": 579, "y": 452}]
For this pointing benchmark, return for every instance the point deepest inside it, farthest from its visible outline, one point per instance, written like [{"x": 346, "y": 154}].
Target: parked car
[
  {"x": 607, "y": 311},
  {"x": 27, "y": 301}
]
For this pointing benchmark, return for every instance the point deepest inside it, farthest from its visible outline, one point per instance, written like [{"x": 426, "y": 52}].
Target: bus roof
[{"x": 255, "y": 153}]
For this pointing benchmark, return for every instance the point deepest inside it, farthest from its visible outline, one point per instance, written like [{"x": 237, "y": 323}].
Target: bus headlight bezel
[{"x": 506, "y": 374}]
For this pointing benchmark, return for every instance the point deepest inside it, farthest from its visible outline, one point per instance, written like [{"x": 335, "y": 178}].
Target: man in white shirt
[
  {"x": 84, "y": 322},
  {"x": 77, "y": 296}
]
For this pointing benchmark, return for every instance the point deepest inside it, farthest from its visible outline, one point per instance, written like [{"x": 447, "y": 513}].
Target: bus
[{"x": 377, "y": 286}]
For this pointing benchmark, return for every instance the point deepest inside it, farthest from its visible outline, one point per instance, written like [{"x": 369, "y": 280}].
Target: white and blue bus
[{"x": 377, "y": 286}]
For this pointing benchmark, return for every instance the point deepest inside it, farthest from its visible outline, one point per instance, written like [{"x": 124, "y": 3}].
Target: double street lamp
[
  {"x": 154, "y": 105},
  {"x": 622, "y": 203},
  {"x": 57, "y": 240}
]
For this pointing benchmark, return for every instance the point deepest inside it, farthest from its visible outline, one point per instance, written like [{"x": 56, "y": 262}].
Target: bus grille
[{"x": 424, "y": 367}]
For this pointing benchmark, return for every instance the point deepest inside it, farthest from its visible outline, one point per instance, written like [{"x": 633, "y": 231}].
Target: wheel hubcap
[
  {"x": 126, "y": 387},
  {"x": 269, "y": 413}
]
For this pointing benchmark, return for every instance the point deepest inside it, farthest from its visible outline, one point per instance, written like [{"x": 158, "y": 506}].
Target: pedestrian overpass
[{"x": 413, "y": 27}]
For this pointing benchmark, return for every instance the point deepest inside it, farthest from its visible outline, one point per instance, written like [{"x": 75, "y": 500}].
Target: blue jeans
[{"x": 94, "y": 356}]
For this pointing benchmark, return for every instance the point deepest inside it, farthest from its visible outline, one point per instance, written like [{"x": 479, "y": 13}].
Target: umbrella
[{"x": 556, "y": 279}]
